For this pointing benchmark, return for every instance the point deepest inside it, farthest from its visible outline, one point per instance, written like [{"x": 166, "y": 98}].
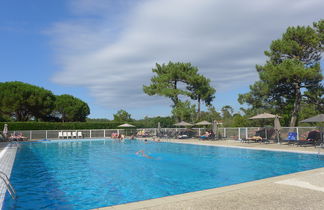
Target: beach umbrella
[
  {"x": 203, "y": 123},
  {"x": 5, "y": 130},
  {"x": 316, "y": 119},
  {"x": 266, "y": 116},
  {"x": 183, "y": 123},
  {"x": 263, "y": 116},
  {"x": 126, "y": 125}
]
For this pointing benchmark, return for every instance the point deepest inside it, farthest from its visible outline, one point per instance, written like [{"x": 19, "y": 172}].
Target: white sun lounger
[
  {"x": 74, "y": 134},
  {"x": 69, "y": 134},
  {"x": 80, "y": 134},
  {"x": 65, "y": 135},
  {"x": 60, "y": 135}
]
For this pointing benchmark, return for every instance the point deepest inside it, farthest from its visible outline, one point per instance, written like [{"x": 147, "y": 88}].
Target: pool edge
[{"x": 7, "y": 158}]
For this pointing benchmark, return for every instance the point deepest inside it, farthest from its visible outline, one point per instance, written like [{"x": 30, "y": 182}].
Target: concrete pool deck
[{"x": 302, "y": 190}]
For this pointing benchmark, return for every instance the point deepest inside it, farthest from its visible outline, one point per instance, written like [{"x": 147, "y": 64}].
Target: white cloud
[{"x": 111, "y": 47}]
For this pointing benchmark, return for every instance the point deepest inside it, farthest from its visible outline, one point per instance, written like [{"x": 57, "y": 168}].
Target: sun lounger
[
  {"x": 60, "y": 135},
  {"x": 80, "y": 134},
  {"x": 74, "y": 134},
  {"x": 65, "y": 135},
  {"x": 292, "y": 138}
]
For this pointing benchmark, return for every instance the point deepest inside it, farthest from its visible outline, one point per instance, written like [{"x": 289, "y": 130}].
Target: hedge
[{"x": 60, "y": 125}]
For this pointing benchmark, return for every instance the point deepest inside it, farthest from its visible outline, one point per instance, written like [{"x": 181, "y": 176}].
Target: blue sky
[{"x": 102, "y": 51}]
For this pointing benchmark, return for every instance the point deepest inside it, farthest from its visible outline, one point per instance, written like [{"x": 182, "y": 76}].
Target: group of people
[
  {"x": 17, "y": 137},
  {"x": 117, "y": 136}
]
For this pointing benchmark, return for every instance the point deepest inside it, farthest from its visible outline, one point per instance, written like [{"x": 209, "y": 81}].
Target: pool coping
[
  {"x": 252, "y": 148},
  {"x": 7, "y": 158}
]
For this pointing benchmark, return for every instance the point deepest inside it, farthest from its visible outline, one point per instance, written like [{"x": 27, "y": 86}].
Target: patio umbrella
[
  {"x": 265, "y": 116},
  {"x": 203, "y": 123},
  {"x": 5, "y": 130},
  {"x": 315, "y": 119},
  {"x": 183, "y": 123},
  {"x": 126, "y": 126}
]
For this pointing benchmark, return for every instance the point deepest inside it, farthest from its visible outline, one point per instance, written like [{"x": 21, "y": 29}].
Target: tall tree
[
  {"x": 122, "y": 116},
  {"x": 23, "y": 101},
  {"x": 201, "y": 90},
  {"x": 292, "y": 68},
  {"x": 168, "y": 78},
  {"x": 184, "y": 111},
  {"x": 70, "y": 109}
]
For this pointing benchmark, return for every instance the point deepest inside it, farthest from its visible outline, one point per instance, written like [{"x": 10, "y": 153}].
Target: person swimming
[{"x": 143, "y": 154}]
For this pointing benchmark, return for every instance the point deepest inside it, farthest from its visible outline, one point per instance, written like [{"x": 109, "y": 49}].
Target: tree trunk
[
  {"x": 198, "y": 110},
  {"x": 175, "y": 98},
  {"x": 294, "y": 114}
]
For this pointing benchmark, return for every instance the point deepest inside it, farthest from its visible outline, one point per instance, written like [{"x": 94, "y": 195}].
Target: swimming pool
[{"x": 91, "y": 174}]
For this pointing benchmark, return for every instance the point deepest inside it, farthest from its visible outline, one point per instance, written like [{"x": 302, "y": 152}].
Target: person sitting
[
  {"x": 17, "y": 137},
  {"x": 205, "y": 136}
]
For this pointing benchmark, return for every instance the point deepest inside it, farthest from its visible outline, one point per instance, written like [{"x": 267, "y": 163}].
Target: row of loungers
[{"x": 70, "y": 134}]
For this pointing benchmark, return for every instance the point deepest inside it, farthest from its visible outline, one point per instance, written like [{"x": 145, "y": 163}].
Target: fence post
[
  {"x": 118, "y": 131},
  {"x": 46, "y": 134},
  {"x": 199, "y": 132},
  {"x": 246, "y": 133},
  {"x": 239, "y": 134},
  {"x": 104, "y": 133},
  {"x": 30, "y": 135},
  {"x": 224, "y": 132},
  {"x": 297, "y": 131},
  {"x": 90, "y": 134}
]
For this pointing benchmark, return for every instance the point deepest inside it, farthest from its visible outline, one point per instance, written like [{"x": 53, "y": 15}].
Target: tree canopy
[
  {"x": 173, "y": 80},
  {"x": 23, "y": 101},
  {"x": 71, "y": 109},
  {"x": 122, "y": 116},
  {"x": 291, "y": 73}
]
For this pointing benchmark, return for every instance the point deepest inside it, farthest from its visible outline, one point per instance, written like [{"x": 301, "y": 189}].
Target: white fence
[{"x": 221, "y": 133}]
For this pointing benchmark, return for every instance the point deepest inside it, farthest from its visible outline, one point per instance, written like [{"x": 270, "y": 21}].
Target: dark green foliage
[
  {"x": 184, "y": 111},
  {"x": 70, "y": 109},
  {"x": 122, "y": 116},
  {"x": 200, "y": 90},
  {"x": 58, "y": 125},
  {"x": 292, "y": 74},
  {"x": 168, "y": 78},
  {"x": 23, "y": 101},
  {"x": 152, "y": 122},
  {"x": 173, "y": 80}
]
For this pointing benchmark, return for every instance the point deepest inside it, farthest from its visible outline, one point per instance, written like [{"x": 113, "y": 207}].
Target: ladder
[{"x": 9, "y": 187}]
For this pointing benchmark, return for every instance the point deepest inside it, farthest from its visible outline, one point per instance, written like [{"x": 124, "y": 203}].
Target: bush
[{"x": 58, "y": 125}]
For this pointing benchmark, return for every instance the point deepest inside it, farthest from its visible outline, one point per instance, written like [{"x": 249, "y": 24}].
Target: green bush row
[{"x": 60, "y": 125}]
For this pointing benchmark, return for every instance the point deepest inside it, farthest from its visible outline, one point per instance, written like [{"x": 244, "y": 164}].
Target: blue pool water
[{"x": 92, "y": 174}]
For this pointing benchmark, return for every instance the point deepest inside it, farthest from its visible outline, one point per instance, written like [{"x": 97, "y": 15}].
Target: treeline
[
  {"x": 290, "y": 85},
  {"x": 25, "y": 102}
]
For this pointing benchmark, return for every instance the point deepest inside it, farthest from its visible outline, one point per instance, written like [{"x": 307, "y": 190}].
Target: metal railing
[
  {"x": 9, "y": 187},
  {"x": 221, "y": 133}
]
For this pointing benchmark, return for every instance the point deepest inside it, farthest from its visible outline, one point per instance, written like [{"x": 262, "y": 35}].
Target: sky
[{"x": 103, "y": 51}]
